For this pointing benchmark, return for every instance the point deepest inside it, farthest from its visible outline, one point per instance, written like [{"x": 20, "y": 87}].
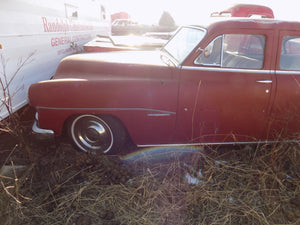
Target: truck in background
[{"x": 246, "y": 10}]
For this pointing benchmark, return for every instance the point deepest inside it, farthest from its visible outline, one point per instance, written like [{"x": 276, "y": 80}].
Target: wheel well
[{"x": 64, "y": 132}]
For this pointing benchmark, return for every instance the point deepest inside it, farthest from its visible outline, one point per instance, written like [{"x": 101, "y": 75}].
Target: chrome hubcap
[{"x": 91, "y": 133}]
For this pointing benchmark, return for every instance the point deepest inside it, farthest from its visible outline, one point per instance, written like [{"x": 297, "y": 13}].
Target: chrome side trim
[
  {"x": 108, "y": 109},
  {"x": 227, "y": 70},
  {"x": 167, "y": 145},
  {"x": 217, "y": 143},
  {"x": 264, "y": 81},
  {"x": 159, "y": 114}
]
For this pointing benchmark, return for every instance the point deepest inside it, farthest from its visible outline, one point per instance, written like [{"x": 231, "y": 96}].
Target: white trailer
[{"x": 35, "y": 35}]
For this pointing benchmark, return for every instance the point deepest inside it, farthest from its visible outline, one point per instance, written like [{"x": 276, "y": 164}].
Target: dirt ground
[{"x": 233, "y": 185}]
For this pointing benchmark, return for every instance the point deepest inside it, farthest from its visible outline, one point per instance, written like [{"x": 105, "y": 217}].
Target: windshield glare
[{"x": 184, "y": 41}]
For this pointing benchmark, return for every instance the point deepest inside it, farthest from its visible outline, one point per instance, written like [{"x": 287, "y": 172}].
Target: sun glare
[{"x": 194, "y": 11}]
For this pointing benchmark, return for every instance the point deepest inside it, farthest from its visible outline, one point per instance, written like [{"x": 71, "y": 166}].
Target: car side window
[
  {"x": 241, "y": 51},
  {"x": 290, "y": 53},
  {"x": 211, "y": 55}
]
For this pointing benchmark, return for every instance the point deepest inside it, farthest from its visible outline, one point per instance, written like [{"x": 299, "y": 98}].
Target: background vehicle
[
  {"x": 123, "y": 43},
  {"x": 234, "y": 81},
  {"x": 36, "y": 35},
  {"x": 119, "y": 15},
  {"x": 246, "y": 10}
]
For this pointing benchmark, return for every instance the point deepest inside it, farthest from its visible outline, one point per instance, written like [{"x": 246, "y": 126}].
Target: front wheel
[{"x": 91, "y": 133}]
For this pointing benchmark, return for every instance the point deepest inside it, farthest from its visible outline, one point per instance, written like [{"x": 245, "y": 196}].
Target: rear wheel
[{"x": 91, "y": 133}]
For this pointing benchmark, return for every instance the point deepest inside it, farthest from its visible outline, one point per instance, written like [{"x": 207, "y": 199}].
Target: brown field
[{"x": 232, "y": 185}]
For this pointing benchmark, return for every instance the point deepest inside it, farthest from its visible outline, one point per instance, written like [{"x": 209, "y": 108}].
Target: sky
[{"x": 193, "y": 11}]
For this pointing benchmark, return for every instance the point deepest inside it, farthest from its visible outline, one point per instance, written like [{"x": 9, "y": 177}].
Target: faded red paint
[{"x": 202, "y": 104}]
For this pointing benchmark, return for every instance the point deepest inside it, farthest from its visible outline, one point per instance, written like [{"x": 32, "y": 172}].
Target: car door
[
  {"x": 225, "y": 92},
  {"x": 285, "y": 116}
]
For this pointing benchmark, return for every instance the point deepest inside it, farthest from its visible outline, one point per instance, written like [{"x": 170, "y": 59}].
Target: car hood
[{"x": 112, "y": 63}]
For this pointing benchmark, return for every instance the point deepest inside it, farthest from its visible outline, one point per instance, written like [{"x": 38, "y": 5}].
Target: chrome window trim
[
  {"x": 227, "y": 70},
  {"x": 288, "y": 72},
  {"x": 222, "y": 53},
  {"x": 222, "y": 50},
  {"x": 207, "y": 64}
]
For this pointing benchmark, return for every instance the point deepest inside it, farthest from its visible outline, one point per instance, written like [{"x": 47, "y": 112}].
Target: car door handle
[{"x": 264, "y": 81}]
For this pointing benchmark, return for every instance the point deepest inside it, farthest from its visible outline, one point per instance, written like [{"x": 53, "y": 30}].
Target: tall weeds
[
  {"x": 11, "y": 123},
  {"x": 249, "y": 185}
]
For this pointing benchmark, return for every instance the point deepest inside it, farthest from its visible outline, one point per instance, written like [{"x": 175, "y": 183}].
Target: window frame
[
  {"x": 222, "y": 52},
  {"x": 283, "y": 53}
]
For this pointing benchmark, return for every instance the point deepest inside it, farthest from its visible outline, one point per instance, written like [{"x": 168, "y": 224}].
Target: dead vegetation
[{"x": 246, "y": 185}]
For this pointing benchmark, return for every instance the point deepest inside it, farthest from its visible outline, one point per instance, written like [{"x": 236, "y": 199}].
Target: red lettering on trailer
[
  {"x": 46, "y": 29},
  {"x": 56, "y": 41},
  {"x": 64, "y": 25}
]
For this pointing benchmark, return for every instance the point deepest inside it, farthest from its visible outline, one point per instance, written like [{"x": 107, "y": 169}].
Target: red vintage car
[{"x": 233, "y": 81}]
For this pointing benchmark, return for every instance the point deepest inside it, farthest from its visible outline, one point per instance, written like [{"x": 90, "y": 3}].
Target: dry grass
[{"x": 249, "y": 185}]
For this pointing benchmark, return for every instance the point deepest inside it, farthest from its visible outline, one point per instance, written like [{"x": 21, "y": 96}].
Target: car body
[{"x": 232, "y": 81}]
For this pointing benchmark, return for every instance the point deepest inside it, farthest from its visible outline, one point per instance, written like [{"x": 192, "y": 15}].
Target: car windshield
[{"x": 183, "y": 42}]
